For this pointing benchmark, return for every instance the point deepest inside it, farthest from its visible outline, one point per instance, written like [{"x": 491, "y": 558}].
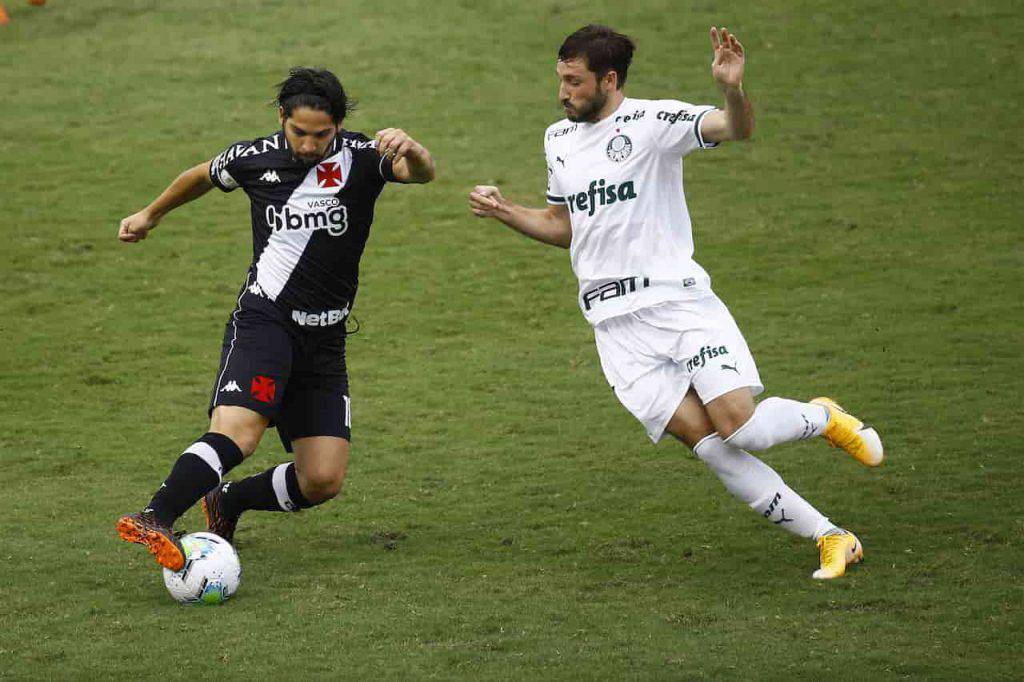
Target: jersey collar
[
  {"x": 335, "y": 143},
  {"x": 609, "y": 117}
]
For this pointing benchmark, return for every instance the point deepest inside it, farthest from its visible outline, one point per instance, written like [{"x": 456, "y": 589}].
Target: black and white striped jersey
[{"x": 310, "y": 223}]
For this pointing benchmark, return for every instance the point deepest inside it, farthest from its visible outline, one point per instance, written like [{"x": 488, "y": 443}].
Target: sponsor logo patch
[
  {"x": 322, "y": 214},
  {"x": 562, "y": 131},
  {"x": 614, "y": 289},
  {"x": 632, "y": 116},
  {"x": 600, "y": 194},
  {"x": 359, "y": 144},
  {"x": 671, "y": 117},
  {"x": 321, "y": 319},
  {"x": 706, "y": 353}
]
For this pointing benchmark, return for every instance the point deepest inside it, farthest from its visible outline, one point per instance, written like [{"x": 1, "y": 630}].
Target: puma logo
[
  {"x": 732, "y": 367},
  {"x": 560, "y": 160}
]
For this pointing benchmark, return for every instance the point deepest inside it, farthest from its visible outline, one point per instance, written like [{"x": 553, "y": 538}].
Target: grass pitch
[{"x": 504, "y": 517}]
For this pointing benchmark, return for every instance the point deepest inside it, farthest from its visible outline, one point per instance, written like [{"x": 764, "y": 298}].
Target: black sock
[
  {"x": 197, "y": 471},
  {"x": 276, "y": 489}
]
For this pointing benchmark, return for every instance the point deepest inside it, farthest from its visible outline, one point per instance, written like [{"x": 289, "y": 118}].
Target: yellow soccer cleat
[
  {"x": 851, "y": 434},
  {"x": 838, "y": 551}
]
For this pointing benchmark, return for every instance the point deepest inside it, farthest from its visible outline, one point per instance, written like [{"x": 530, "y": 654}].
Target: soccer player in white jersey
[{"x": 668, "y": 346}]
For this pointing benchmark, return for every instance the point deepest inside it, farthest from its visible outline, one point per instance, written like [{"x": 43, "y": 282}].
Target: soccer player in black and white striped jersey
[{"x": 312, "y": 186}]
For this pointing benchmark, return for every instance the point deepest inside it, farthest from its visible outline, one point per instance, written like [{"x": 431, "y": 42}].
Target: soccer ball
[{"x": 211, "y": 573}]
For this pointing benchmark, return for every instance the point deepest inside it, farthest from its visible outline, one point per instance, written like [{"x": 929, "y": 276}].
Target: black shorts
[{"x": 295, "y": 377}]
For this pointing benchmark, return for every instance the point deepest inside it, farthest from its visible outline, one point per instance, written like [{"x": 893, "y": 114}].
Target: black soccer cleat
[
  {"x": 217, "y": 522},
  {"x": 144, "y": 529}
]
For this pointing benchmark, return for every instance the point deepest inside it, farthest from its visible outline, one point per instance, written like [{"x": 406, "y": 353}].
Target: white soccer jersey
[{"x": 622, "y": 181}]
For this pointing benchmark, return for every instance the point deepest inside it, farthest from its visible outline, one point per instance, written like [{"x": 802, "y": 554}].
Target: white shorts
[{"x": 652, "y": 356}]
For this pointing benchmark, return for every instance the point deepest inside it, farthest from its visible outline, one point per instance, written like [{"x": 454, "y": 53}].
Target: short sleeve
[
  {"x": 555, "y": 195},
  {"x": 677, "y": 126},
  {"x": 224, "y": 168},
  {"x": 364, "y": 151}
]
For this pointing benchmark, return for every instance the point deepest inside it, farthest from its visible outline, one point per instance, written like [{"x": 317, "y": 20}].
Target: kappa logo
[
  {"x": 328, "y": 174},
  {"x": 270, "y": 176},
  {"x": 256, "y": 290},
  {"x": 231, "y": 387},
  {"x": 263, "y": 389}
]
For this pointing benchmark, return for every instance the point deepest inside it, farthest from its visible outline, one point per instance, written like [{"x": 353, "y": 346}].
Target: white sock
[
  {"x": 779, "y": 420},
  {"x": 760, "y": 487}
]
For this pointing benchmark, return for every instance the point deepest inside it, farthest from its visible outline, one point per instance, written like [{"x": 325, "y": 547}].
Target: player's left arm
[
  {"x": 736, "y": 120},
  {"x": 410, "y": 161}
]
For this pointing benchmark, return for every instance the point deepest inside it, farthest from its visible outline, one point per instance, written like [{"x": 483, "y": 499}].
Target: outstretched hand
[{"x": 727, "y": 66}]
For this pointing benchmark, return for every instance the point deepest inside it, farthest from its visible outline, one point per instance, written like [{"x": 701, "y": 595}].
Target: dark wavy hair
[
  {"x": 317, "y": 89},
  {"x": 603, "y": 48}
]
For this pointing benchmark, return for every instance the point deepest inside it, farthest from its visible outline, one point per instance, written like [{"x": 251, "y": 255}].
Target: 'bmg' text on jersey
[{"x": 334, "y": 219}]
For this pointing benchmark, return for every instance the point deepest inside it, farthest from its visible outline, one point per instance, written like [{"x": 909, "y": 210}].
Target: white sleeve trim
[{"x": 696, "y": 130}]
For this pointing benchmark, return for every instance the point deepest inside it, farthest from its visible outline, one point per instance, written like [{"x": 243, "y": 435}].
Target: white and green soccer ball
[{"x": 211, "y": 573}]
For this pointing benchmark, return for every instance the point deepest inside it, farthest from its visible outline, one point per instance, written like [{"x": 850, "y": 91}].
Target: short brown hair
[{"x": 603, "y": 48}]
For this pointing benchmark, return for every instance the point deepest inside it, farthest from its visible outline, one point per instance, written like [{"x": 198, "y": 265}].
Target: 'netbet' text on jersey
[
  {"x": 310, "y": 223},
  {"x": 621, "y": 180}
]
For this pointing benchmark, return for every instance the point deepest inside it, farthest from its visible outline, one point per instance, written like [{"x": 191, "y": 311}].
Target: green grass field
[{"x": 504, "y": 518}]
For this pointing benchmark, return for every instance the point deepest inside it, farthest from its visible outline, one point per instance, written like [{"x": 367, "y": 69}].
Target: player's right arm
[
  {"x": 550, "y": 225},
  {"x": 190, "y": 185}
]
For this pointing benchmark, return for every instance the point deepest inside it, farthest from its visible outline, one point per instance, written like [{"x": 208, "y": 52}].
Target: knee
[
  {"x": 744, "y": 431},
  {"x": 731, "y": 411},
  {"x": 320, "y": 486},
  {"x": 246, "y": 441},
  {"x": 730, "y": 423},
  {"x": 242, "y": 426}
]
